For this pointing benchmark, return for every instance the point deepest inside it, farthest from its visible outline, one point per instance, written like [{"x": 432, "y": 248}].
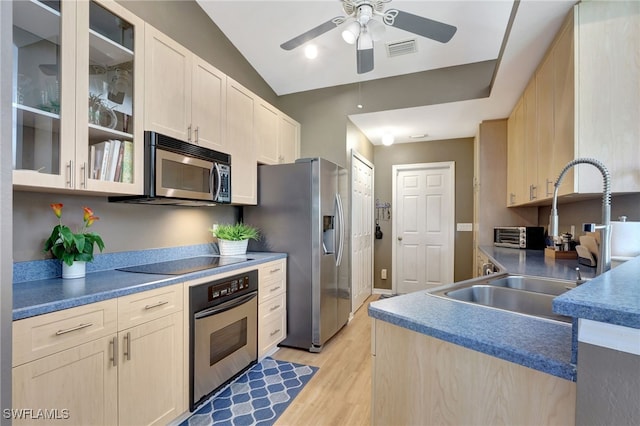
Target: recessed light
[
  {"x": 360, "y": 106},
  {"x": 387, "y": 139},
  {"x": 424, "y": 135},
  {"x": 311, "y": 51}
]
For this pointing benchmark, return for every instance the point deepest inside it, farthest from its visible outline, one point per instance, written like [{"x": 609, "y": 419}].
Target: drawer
[
  {"x": 47, "y": 334},
  {"x": 272, "y": 330},
  {"x": 145, "y": 306},
  {"x": 271, "y": 289},
  {"x": 272, "y": 271},
  {"x": 274, "y": 304}
]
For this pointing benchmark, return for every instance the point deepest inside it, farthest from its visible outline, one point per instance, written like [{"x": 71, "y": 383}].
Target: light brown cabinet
[
  {"x": 184, "y": 95},
  {"x": 242, "y": 146},
  {"x": 277, "y": 135},
  {"x": 586, "y": 94},
  {"x": 272, "y": 306},
  {"x": 78, "y": 84},
  {"x": 442, "y": 383},
  {"x": 113, "y": 362}
]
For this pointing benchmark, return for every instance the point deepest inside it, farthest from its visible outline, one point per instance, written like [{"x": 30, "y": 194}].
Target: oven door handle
[{"x": 225, "y": 306}]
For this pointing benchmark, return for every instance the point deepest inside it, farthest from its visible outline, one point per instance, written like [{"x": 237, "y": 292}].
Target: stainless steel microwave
[
  {"x": 522, "y": 237},
  {"x": 180, "y": 173}
]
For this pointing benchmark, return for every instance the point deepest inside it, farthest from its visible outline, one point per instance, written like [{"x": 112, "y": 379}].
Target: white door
[
  {"x": 361, "y": 230},
  {"x": 423, "y": 250}
]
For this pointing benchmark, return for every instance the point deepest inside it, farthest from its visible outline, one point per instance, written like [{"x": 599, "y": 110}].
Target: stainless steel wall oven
[{"x": 223, "y": 332}]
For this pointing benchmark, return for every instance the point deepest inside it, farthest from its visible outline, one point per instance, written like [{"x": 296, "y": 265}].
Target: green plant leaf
[{"x": 237, "y": 232}]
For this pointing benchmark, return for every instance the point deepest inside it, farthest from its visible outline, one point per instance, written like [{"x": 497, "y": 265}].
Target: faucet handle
[
  {"x": 579, "y": 279},
  {"x": 588, "y": 227}
]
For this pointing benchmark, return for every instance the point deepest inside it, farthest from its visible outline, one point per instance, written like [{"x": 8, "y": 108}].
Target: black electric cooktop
[{"x": 184, "y": 266}]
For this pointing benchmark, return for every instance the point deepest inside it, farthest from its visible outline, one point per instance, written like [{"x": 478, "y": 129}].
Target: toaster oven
[{"x": 520, "y": 237}]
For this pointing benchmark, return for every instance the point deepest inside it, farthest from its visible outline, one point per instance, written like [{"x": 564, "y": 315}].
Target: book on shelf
[
  {"x": 92, "y": 161},
  {"x": 113, "y": 160},
  {"x": 100, "y": 159},
  {"x": 118, "y": 174},
  {"x": 127, "y": 162}
]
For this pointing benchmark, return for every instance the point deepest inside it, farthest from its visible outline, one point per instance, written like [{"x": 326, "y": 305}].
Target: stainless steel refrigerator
[{"x": 302, "y": 211}]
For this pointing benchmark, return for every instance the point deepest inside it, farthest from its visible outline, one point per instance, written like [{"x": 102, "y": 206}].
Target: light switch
[{"x": 468, "y": 227}]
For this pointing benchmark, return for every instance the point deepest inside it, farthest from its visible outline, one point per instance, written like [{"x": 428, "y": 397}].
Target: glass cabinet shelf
[
  {"x": 101, "y": 133},
  {"x": 106, "y": 52},
  {"x": 36, "y": 18}
]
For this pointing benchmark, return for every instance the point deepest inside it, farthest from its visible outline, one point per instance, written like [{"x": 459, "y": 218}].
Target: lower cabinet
[
  {"x": 436, "y": 382},
  {"x": 119, "y": 361},
  {"x": 272, "y": 306}
]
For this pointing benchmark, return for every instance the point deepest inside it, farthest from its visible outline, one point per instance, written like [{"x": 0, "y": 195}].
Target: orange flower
[
  {"x": 57, "y": 209},
  {"x": 91, "y": 219},
  {"x": 87, "y": 214}
]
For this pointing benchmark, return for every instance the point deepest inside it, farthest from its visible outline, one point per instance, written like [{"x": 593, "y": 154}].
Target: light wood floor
[{"x": 340, "y": 391}]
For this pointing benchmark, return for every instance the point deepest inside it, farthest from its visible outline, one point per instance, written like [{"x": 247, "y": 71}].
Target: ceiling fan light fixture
[
  {"x": 376, "y": 29},
  {"x": 351, "y": 32},
  {"x": 365, "y": 41}
]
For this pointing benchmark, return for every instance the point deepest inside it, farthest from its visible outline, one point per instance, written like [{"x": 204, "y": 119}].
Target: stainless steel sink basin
[
  {"x": 535, "y": 284},
  {"x": 521, "y": 294},
  {"x": 524, "y": 302}
]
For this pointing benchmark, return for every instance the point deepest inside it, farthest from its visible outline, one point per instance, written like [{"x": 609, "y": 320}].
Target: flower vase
[
  {"x": 232, "y": 248},
  {"x": 76, "y": 270}
]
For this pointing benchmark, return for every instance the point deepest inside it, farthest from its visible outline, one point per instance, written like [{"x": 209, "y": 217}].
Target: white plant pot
[
  {"x": 77, "y": 269},
  {"x": 232, "y": 248}
]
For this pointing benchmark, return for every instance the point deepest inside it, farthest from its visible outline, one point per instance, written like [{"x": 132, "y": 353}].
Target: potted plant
[
  {"x": 233, "y": 239},
  {"x": 73, "y": 249}
]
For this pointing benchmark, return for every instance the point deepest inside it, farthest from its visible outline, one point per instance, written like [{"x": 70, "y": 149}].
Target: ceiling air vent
[{"x": 403, "y": 47}]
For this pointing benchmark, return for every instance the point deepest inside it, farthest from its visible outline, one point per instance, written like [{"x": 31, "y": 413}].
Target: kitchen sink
[
  {"x": 520, "y": 294},
  {"x": 535, "y": 284}
]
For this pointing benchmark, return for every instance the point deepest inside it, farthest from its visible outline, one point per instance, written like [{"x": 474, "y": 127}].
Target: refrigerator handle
[{"x": 341, "y": 224}]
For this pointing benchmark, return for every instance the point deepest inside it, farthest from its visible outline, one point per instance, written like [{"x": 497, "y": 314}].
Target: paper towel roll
[{"x": 625, "y": 239}]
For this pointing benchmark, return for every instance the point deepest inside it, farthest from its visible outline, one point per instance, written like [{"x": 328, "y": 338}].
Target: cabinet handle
[
  {"x": 273, "y": 308},
  {"x": 548, "y": 193},
  {"x": 273, "y": 333},
  {"x": 274, "y": 289},
  {"x": 127, "y": 349},
  {"x": 273, "y": 271},
  {"x": 83, "y": 182},
  {"x": 189, "y": 133},
  {"x": 532, "y": 188},
  {"x": 77, "y": 327},
  {"x": 196, "y": 133},
  {"x": 70, "y": 174},
  {"x": 155, "y": 305},
  {"x": 113, "y": 345}
]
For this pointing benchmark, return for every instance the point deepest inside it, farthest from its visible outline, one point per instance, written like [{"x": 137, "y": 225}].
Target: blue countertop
[
  {"x": 536, "y": 343},
  {"x": 36, "y": 297},
  {"x": 613, "y": 297}
]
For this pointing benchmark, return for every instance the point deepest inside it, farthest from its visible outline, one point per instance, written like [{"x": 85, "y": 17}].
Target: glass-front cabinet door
[
  {"x": 43, "y": 100},
  {"x": 78, "y": 96}
]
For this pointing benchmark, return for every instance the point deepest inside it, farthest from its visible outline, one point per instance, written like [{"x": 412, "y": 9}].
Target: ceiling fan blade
[
  {"x": 419, "y": 25},
  {"x": 313, "y": 33},
  {"x": 365, "y": 60}
]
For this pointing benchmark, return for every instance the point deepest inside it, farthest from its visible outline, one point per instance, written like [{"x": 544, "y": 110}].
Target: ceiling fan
[{"x": 362, "y": 29}]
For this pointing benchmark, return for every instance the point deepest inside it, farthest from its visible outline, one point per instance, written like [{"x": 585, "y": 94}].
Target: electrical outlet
[{"x": 383, "y": 274}]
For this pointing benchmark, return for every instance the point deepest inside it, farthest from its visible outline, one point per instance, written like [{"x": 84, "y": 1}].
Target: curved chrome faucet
[{"x": 604, "y": 258}]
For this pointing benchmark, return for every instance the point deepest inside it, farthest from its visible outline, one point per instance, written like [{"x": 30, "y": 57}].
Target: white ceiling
[{"x": 257, "y": 28}]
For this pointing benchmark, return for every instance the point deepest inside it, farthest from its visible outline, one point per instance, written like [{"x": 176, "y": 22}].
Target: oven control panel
[{"x": 227, "y": 288}]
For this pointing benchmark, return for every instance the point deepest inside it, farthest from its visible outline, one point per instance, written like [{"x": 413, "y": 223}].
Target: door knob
[{"x": 399, "y": 238}]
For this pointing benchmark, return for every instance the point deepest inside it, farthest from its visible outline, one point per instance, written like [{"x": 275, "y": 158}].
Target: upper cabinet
[
  {"x": 242, "y": 147},
  {"x": 184, "y": 95},
  {"x": 277, "y": 135},
  {"x": 77, "y": 89},
  {"x": 587, "y": 104}
]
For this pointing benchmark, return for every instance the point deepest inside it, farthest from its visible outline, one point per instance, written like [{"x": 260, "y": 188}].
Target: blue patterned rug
[{"x": 257, "y": 397}]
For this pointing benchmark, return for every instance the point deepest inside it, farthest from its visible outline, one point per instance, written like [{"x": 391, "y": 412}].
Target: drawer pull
[
  {"x": 274, "y": 289},
  {"x": 273, "y": 271},
  {"x": 273, "y": 333},
  {"x": 155, "y": 305},
  {"x": 77, "y": 327},
  {"x": 273, "y": 308}
]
